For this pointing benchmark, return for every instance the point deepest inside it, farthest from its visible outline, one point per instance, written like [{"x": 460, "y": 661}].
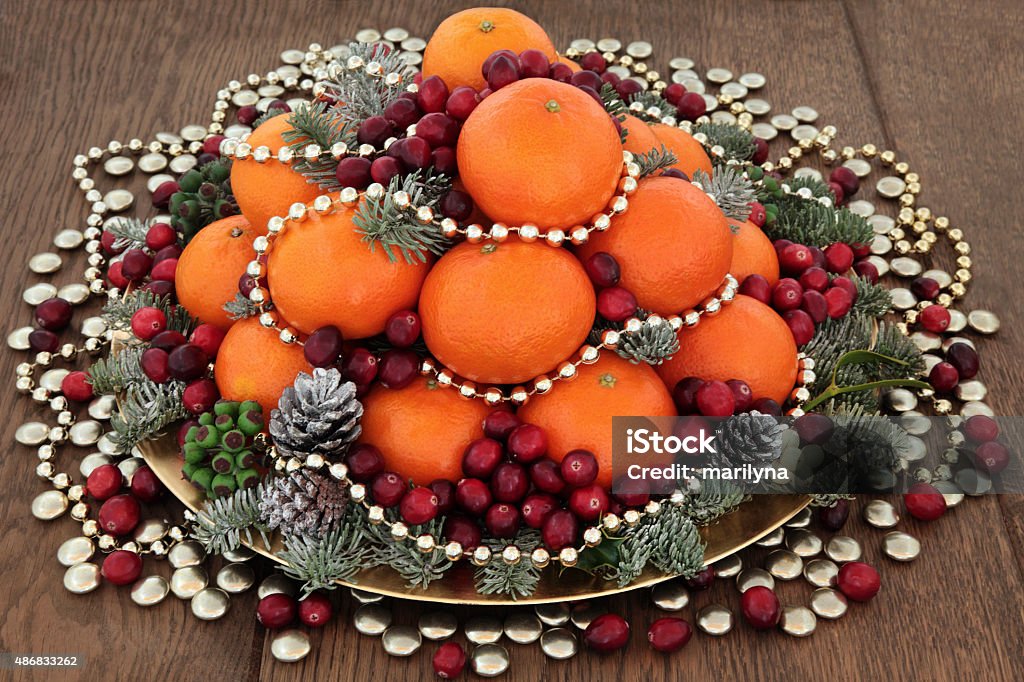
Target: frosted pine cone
[
  {"x": 306, "y": 503},
  {"x": 318, "y": 415},
  {"x": 752, "y": 438}
]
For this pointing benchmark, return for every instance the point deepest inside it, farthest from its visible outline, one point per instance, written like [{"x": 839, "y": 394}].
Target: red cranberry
[
  {"x": 579, "y": 468},
  {"x": 159, "y": 288},
  {"x": 247, "y": 114},
  {"x": 815, "y": 304},
  {"x": 845, "y": 178},
  {"x": 104, "y": 482},
  {"x": 398, "y": 367},
  {"x": 866, "y": 270},
  {"x": 838, "y": 258},
  {"x": 715, "y": 399},
  {"x": 43, "y": 341},
  {"x": 628, "y": 87},
  {"x": 359, "y": 366},
  {"x": 767, "y": 406},
  {"x": 527, "y": 443},
  {"x": 481, "y": 457},
  {"x": 76, "y": 387},
  {"x": 414, "y": 152},
  {"x": 53, "y": 314},
  {"x": 796, "y": 258},
  {"x": 631, "y": 492},
  {"x": 779, "y": 245},
  {"x": 674, "y": 92},
  {"x": 858, "y": 581},
  {"x": 162, "y": 195},
  {"x": 444, "y": 161},
  {"x": 758, "y": 215},
  {"x": 136, "y": 264},
  {"x": 364, "y": 462},
  {"x": 315, "y": 610},
  {"x": 115, "y": 277},
  {"x": 187, "y": 362},
  {"x": 603, "y": 269},
  {"x": 276, "y": 611},
  {"x": 473, "y": 496},
  {"x": 208, "y": 338},
  {"x": 502, "y": 520},
  {"x": 432, "y": 94},
  {"x": 418, "y": 506},
  {"x": 934, "y": 318},
  {"x": 800, "y": 324},
  {"x": 925, "y": 288},
  {"x": 354, "y": 171},
  {"x": 457, "y": 205},
  {"x": 616, "y": 304},
  {"x": 991, "y": 457},
  {"x": 145, "y": 486},
  {"x": 702, "y": 580},
  {"x": 834, "y": 518},
  {"x": 168, "y": 340},
  {"x": 536, "y": 508},
  {"x": 691, "y": 106},
  {"x": 387, "y": 489},
  {"x": 374, "y": 131},
  {"x": 466, "y": 532},
  {"x": 814, "y": 278},
  {"x": 593, "y": 61},
  {"x": 608, "y": 632},
  {"x": 160, "y": 235},
  {"x": 787, "y": 294},
  {"x": 847, "y": 284},
  {"x": 445, "y": 492},
  {"x": 812, "y": 428},
  {"x": 838, "y": 301},
  {"x": 107, "y": 242},
  {"x": 741, "y": 394},
  {"x": 924, "y": 502},
  {"x": 403, "y": 328},
  {"x": 761, "y": 607},
  {"x": 837, "y": 192},
  {"x": 402, "y": 113},
  {"x": 500, "y": 423},
  {"x": 122, "y": 567},
  {"x": 154, "y": 365},
  {"x": 383, "y": 168},
  {"x": 943, "y": 377},
  {"x": 560, "y": 72},
  {"x": 669, "y": 634},
  {"x": 147, "y": 322},
  {"x": 685, "y": 394},
  {"x": 588, "y": 503},
  {"x": 503, "y": 71},
  {"x": 760, "y": 153},
  {"x": 119, "y": 515},
  {"x": 439, "y": 130},
  {"x": 509, "y": 482},
  {"x": 164, "y": 270},
  {"x": 981, "y": 428},
  {"x": 449, "y": 660},
  {"x": 587, "y": 79},
  {"x": 756, "y": 286},
  {"x": 547, "y": 476},
  {"x": 462, "y": 102},
  {"x": 964, "y": 358},
  {"x": 199, "y": 396},
  {"x": 559, "y": 530}
]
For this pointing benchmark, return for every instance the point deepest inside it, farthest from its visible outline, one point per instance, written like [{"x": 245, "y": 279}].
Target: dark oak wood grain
[{"x": 938, "y": 82}]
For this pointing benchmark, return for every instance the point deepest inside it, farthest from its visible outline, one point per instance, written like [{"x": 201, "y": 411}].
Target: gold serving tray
[{"x": 745, "y": 525}]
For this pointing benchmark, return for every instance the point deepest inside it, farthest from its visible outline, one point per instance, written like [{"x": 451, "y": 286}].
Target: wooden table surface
[{"x": 936, "y": 81}]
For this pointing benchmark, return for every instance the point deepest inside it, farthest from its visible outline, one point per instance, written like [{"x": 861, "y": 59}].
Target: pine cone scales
[
  {"x": 307, "y": 503},
  {"x": 752, "y": 438},
  {"x": 318, "y": 415}
]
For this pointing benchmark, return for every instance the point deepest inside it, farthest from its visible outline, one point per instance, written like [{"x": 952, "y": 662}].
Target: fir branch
[
  {"x": 736, "y": 142},
  {"x": 729, "y": 188},
  {"x": 360, "y": 95},
  {"x": 654, "y": 161},
  {"x": 145, "y": 410},
  {"x": 419, "y": 569},
  {"x": 872, "y": 300},
  {"x": 715, "y": 499},
  {"x": 117, "y": 313},
  {"x": 829, "y": 499},
  {"x": 240, "y": 307},
  {"x": 380, "y": 220},
  {"x": 669, "y": 541},
  {"x": 225, "y": 523},
  {"x": 319, "y": 562},
  {"x": 129, "y": 233},
  {"x": 615, "y": 107},
  {"x": 315, "y": 123},
  {"x": 818, "y": 188},
  {"x": 809, "y": 222},
  {"x": 649, "y": 105},
  {"x": 654, "y": 343},
  {"x": 117, "y": 372},
  {"x": 514, "y": 580}
]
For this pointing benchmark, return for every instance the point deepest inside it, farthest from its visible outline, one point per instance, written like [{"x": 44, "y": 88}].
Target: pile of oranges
[{"x": 530, "y": 142}]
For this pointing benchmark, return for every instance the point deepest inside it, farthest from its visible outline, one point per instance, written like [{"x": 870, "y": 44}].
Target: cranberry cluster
[
  {"x": 961, "y": 363},
  {"x": 279, "y": 610},
  {"x": 614, "y": 303},
  {"x": 120, "y": 513},
  {"x": 150, "y": 268},
  {"x": 695, "y": 396}
]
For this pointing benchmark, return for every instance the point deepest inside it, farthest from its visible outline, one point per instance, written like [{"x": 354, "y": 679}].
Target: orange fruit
[
  {"x": 690, "y": 154},
  {"x": 542, "y": 152},
  {"x": 752, "y": 253},
  {"x": 211, "y": 265},
  {"x": 747, "y": 340},
  {"x": 505, "y": 313},
  {"x": 672, "y": 243},
  {"x": 460, "y": 44},
  {"x": 322, "y": 273},
  {"x": 422, "y": 429},
  {"x": 254, "y": 364},
  {"x": 578, "y": 413},
  {"x": 265, "y": 190},
  {"x": 640, "y": 139}
]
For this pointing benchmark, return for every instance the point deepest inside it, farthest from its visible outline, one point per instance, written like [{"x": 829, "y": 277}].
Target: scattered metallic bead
[
  {"x": 235, "y": 578},
  {"x": 973, "y": 482},
  {"x": 49, "y": 505},
  {"x": 372, "y": 619},
  {"x": 784, "y": 564},
  {"x": 31, "y": 433},
  {"x": 489, "y": 660},
  {"x": 798, "y": 621},
  {"x": 438, "y": 625},
  {"x": 772, "y": 539},
  {"x": 843, "y": 549},
  {"x": 289, "y": 646},
  {"x": 82, "y": 578},
  {"x": 971, "y": 391},
  {"x": 829, "y": 603},
  {"x": 583, "y": 613},
  {"x": 715, "y": 619},
  {"x": 150, "y": 591},
  {"x": 401, "y": 640},
  {"x": 75, "y": 551},
  {"x": 45, "y": 263},
  {"x": 728, "y": 567},
  {"x": 820, "y": 572},
  {"x": 18, "y": 339},
  {"x": 188, "y": 553},
  {"x": 900, "y": 546},
  {"x": 881, "y": 514},
  {"x": 801, "y": 519},
  {"x": 276, "y": 583},
  {"x": 754, "y": 577},
  {"x": 950, "y": 492},
  {"x": 37, "y": 293},
  {"x": 523, "y": 627},
  {"x": 983, "y": 321},
  {"x": 901, "y": 400},
  {"x": 188, "y": 581},
  {"x": 559, "y": 644},
  {"x": 364, "y": 597},
  {"x": 85, "y": 433},
  {"x": 670, "y": 595},
  {"x": 483, "y": 630},
  {"x": 238, "y": 554},
  {"x": 803, "y": 542},
  {"x": 555, "y": 613}
]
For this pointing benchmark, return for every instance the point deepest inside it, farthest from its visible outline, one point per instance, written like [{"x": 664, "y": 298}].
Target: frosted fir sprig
[{"x": 730, "y": 189}]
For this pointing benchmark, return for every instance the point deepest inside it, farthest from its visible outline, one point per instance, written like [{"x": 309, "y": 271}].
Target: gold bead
[
  {"x": 829, "y": 155},
  {"x": 912, "y": 177},
  {"x": 907, "y": 200},
  {"x": 902, "y": 168},
  {"x": 660, "y": 85},
  {"x": 869, "y": 150},
  {"x": 626, "y": 60},
  {"x": 902, "y": 246},
  {"x": 920, "y": 227},
  {"x": 924, "y": 213},
  {"x": 805, "y": 143},
  {"x": 888, "y": 157},
  {"x": 922, "y": 246},
  {"x": 963, "y": 275},
  {"x": 848, "y": 153},
  {"x": 910, "y": 316},
  {"x": 737, "y": 108},
  {"x": 955, "y": 235},
  {"x": 896, "y": 233},
  {"x": 963, "y": 262},
  {"x": 944, "y": 299},
  {"x": 929, "y": 237},
  {"x": 963, "y": 248},
  {"x": 914, "y": 187},
  {"x": 957, "y": 289},
  {"x": 640, "y": 67},
  {"x": 785, "y": 163},
  {"x": 906, "y": 216},
  {"x": 795, "y": 152},
  {"x": 941, "y": 223}
]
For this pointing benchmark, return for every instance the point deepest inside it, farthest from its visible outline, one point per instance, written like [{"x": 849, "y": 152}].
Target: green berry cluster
[
  {"x": 203, "y": 196},
  {"x": 219, "y": 455}
]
